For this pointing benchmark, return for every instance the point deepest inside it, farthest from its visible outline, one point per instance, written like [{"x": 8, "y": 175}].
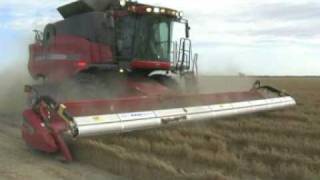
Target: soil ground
[
  {"x": 20, "y": 162},
  {"x": 282, "y": 145},
  {"x": 279, "y": 145}
]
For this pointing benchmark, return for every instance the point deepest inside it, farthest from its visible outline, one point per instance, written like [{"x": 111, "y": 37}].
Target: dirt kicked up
[
  {"x": 19, "y": 161},
  {"x": 282, "y": 145}
]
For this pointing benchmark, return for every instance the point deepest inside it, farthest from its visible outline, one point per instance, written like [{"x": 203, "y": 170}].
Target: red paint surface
[
  {"x": 146, "y": 103},
  {"x": 59, "y": 69},
  {"x": 150, "y": 64},
  {"x": 45, "y": 138},
  {"x": 40, "y": 138}
]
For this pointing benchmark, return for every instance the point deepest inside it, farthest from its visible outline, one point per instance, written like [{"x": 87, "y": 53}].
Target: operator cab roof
[{"x": 85, "y": 6}]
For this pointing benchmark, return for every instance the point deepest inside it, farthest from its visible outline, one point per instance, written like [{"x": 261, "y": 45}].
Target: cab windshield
[{"x": 144, "y": 38}]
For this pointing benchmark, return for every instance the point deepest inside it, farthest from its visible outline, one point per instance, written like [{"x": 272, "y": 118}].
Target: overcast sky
[{"x": 261, "y": 37}]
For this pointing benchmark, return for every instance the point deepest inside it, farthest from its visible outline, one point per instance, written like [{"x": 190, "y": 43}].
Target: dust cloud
[
  {"x": 220, "y": 84},
  {"x": 98, "y": 85},
  {"x": 13, "y": 78}
]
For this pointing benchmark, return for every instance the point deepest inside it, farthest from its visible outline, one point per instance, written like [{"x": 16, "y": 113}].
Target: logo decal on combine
[
  {"x": 137, "y": 115},
  {"x": 97, "y": 119}
]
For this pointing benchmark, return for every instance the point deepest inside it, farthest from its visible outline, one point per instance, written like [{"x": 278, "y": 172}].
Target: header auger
[{"x": 111, "y": 67}]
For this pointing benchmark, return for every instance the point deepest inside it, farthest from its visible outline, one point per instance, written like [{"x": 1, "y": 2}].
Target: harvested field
[{"x": 282, "y": 145}]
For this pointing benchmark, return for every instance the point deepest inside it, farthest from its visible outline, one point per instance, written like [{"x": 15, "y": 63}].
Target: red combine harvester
[{"x": 111, "y": 67}]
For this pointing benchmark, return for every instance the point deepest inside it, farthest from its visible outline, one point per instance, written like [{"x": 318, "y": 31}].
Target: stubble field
[{"x": 280, "y": 145}]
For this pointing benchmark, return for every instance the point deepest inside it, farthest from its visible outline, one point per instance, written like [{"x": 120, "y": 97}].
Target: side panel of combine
[
  {"x": 72, "y": 45},
  {"x": 93, "y": 27}
]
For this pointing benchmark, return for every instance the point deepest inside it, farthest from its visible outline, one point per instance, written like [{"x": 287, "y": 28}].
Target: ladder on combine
[
  {"x": 183, "y": 60},
  {"x": 185, "y": 63}
]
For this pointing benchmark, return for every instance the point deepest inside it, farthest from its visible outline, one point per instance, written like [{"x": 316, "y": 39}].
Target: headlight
[
  {"x": 181, "y": 14},
  {"x": 123, "y": 3},
  {"x": 156, "y": 10},
  {"x": 149, "y": 9}
]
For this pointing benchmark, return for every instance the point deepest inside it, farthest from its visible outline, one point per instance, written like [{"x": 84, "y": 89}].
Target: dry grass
[{"x": 277, "y": 145}]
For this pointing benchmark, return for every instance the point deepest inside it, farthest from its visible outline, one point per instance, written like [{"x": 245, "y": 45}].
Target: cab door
[{"x": 125, "y": 32}]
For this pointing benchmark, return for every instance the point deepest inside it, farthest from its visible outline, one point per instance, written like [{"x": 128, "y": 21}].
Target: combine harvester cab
[{"x": 146, "y": 101}]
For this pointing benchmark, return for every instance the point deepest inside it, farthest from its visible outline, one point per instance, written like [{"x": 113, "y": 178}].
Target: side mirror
[
  {"x": 38, "y": 35},
  {"x": 187, "y": 30}
]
